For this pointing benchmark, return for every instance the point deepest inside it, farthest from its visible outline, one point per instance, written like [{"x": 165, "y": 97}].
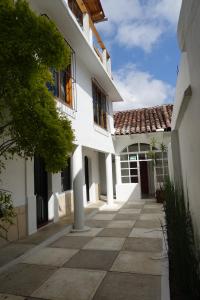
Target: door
[
  {"x": 144, "y": 178},
  {"x": 87, "y": 178},
  {"x": 41, "y": 191}
]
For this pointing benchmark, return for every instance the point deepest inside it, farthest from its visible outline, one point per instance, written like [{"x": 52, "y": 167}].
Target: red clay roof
[{"x": 144, "y": 120}]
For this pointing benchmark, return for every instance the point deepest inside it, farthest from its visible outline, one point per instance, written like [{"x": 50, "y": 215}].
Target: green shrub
[
  {"x": 7, "y": 212},
  {"x": 183, "y": 253}
]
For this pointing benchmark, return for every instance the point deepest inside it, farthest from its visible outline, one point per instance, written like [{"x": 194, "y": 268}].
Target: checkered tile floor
[{"x": 116, "y": 259}]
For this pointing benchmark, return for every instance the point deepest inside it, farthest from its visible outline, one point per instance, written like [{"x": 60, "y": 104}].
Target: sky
[{"x": 140, "y": 36}]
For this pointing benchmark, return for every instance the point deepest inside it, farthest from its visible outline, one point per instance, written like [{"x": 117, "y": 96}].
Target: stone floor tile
[
  {"x": 146, "y": 233},
  {"x": 152, "y": 211},
  {"x": 71, "y": 284},
  {"x": 143, "y": 244},
  {"x": 136, "y": 206},
  {"x": 126, "y": 217},
  {"x": 97, "y": 223},
  {"x": 103, "y": 217},
  {"x": 121, "y": 224},
  {"x": 124, "y": 286},
  {"x": 137, "y": 262},
  {"x": 10, "y": 297},
  {"x": 92, "y": 259},
  {"x": 147, "y": 224},
  {"x": 151, "y": 217},
  {"x": 105, "y": 243},
  {"x": 91, "y": 233},
  {"x": 153, "y": 206},
  {"x": 12, "y": 251},
  {"x": 24, "y": 279},
  {"x": 141, "y": 202},
  {"x": 50, "y": 256},
  {"x": 71, "y": 242},
  {"x": 115, "y": 232},
  {"x": 130, "y": 211}
]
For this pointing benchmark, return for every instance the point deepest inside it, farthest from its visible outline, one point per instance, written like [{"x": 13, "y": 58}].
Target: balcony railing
[{"x": 79, "y": 10}]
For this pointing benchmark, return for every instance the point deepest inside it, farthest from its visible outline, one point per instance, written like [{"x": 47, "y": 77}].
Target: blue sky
[{"x": 141, "y": 37}]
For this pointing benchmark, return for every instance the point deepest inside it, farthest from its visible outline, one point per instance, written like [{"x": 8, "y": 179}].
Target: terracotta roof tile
[{"x": 143, "y": 120}]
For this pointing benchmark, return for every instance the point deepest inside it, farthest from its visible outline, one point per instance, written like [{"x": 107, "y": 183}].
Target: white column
[
  {"x": 104, "y": 58},
  {"x": 118, "y": 169},
  {"x": 86, "y": 26},
  {"x": 78, "y": 185},
  {"x": 30, "y": 197},
  {"x": 109, "y": 178},
  {"x": 56, "y": 189}
]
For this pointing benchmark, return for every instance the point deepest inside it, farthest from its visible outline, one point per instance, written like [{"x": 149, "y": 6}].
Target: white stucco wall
[
  {"x": 189, "y": 120},
  {"x": 13, "y": 179},
  {"x": 122, "y": 141}
]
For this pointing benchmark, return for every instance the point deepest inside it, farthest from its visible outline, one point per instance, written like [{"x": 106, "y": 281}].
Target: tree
[{"x": 31, "y": 45}]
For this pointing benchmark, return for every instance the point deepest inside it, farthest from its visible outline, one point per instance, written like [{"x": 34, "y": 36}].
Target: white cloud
[
  {"x": 141, "y": 89},
  {"x": 137, "y": 23},
  {"x": 139, "y": 35}
]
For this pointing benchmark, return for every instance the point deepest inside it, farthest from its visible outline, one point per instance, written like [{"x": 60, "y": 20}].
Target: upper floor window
[
  {"x": 73, "y": 5},
  {"x": 99, "y": 106},
  {"x": 63, "y": 84}
]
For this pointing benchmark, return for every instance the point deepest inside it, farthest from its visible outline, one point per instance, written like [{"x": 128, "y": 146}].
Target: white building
[
  {"x": 106, "y": 161},
  {"x": 185, "y": 161},
  {"x": 87, "y": 101},
  {"x": 139, "y": 134}
]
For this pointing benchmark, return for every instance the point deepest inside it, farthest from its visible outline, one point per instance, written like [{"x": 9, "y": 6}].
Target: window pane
[
  {"x": 134, "y": 179},
  {"x": 125, "y": 172},
  {"x": 133, "y": 148},
  {"x": 158, "y": 155},
  {"x": 159, "y": 162},
  {"x": 63, "y": 85},
  {"x": 160, "y": 178},
  {"x": 166, "y": 170},
  {"x": 133, "y": 164},
  {"x": 124, "y": 151},
  {"x": 69, "y": 86},
  {"x": 142, "y": 156},
  {"x": 99, "y": 106},
  {"x": 124, "y": 165},
  {"x": 133, "y": 171},
  {"x": 165, "y": 155},
  {"x": 124, "y": 157},
  {"x": 159, "y": 171},
  {"x": 144, "y": 147},
  {"x": 133, "y": 157},
  {"x": 125, "y": 179}
]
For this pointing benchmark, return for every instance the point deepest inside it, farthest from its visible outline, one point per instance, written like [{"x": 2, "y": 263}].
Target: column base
[
  {"x": 85, "y": 229},
  {"x": 112, "y": 207}
]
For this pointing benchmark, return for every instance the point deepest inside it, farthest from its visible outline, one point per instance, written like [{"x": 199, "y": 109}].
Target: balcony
[{"x": 87, "y": 13}]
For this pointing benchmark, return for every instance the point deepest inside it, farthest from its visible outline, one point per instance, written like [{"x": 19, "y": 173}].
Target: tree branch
[{"x": 6, "y": 145}]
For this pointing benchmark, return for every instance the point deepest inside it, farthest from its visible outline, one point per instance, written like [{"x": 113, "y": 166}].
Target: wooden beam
[{"x": 82, "y": 6}]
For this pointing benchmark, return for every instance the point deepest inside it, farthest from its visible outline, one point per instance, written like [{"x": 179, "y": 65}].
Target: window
[
  {"x": 73, "y": 5},
  {"x": 133, "y": 154},
  {"x": 63, "y": 84},
  {"x": 66, "y": 177},
  {"x": 99, "y": 106}
]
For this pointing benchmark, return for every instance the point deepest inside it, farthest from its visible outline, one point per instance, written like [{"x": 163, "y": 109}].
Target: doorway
[
  {"x": 41, "y": 191},
  {"x": 87, "y": 178},
  {"x": 144, "y": 178}
]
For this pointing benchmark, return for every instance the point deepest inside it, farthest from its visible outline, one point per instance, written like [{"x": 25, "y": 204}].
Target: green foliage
[
  {"x": 182, "y": 250},
  {"x": 7, "y": 212},
  {"x": 29, "y": 123}
]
